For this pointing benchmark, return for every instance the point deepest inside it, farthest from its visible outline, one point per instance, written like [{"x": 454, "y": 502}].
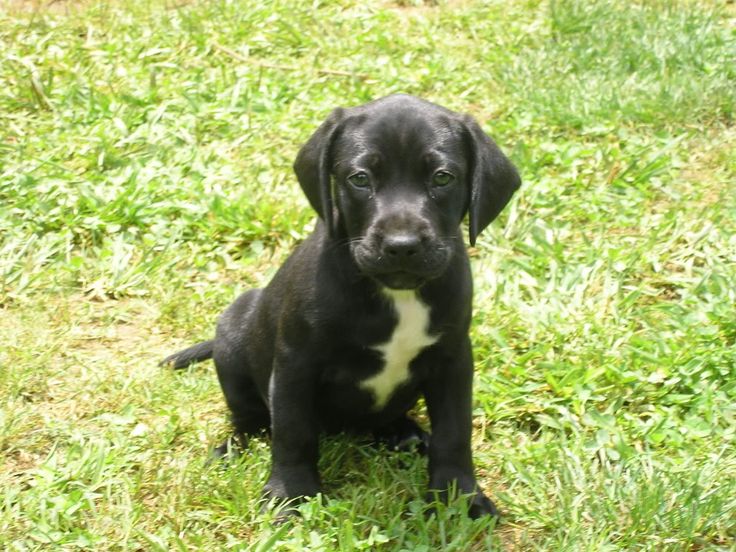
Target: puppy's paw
[
  {"x": 280, "y": 511},
  {"x": 478, "y": 504},
  {"x": 292, "y": 483},
  {"x": 404, "y": 435},
  {"x": 283, "y": 509},
  {"x": 481, "y": 505},
  {"x": 283, "y": 495}
]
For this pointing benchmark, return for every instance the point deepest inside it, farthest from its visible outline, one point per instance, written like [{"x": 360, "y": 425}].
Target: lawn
[{"x": 145, "y": 181}]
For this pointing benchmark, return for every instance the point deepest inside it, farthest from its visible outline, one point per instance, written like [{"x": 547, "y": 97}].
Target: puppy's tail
[{"x": 195, "y": 353}]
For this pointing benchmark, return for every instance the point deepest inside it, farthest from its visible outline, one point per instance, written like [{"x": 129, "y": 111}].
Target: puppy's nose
[{"x": 401, "y": 246}]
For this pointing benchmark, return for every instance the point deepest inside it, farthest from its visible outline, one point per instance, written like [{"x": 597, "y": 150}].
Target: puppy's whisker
[{"x": 336, "y": 244}]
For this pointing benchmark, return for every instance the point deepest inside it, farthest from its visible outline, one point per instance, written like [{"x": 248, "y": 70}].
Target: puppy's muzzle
[{"x": 401, "y": 259}]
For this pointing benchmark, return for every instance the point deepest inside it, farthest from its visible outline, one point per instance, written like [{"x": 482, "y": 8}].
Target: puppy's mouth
[
  {"x": 409, "y": 272},
  {"x": 399, "y": 277},
  {"x": 400, "y": 280}
]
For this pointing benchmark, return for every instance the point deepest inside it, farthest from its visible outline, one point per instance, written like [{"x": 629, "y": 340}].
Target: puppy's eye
[
  {"x": 442, "y": 178},
  {"x": 359, "y": 180}
]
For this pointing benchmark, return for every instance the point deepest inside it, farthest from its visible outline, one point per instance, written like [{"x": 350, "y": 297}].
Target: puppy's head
[{"x": 395, "y": 177}]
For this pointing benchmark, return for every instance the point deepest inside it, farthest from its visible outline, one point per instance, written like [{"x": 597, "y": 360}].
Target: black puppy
[{"x": 373, "y": 309}]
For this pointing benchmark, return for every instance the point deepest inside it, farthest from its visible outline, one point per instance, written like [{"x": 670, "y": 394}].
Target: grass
[{"x": 145, "y": 180}]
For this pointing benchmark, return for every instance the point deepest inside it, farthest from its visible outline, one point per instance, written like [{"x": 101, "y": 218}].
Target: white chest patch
[{"x": 407, "y": 340}]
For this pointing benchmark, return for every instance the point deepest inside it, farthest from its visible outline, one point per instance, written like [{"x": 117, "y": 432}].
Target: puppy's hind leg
[
  {"x": 249, "y": 412},
  {"x": 249, "y": 415}
]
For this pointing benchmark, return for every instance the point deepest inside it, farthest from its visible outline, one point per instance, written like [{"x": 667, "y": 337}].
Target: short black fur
[{"x": 391, "y": 182}]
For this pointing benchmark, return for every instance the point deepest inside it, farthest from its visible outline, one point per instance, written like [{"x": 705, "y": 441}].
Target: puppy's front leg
[
  {"x": 449, "y": 402},
  {"x": 294, "y": 430}
]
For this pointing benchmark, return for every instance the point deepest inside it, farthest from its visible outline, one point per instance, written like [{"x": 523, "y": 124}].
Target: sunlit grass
[{"x": 145, "y": 180}]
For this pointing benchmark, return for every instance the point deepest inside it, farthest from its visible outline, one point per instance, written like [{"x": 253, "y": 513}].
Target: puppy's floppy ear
[
  {"x": 312, "y": 168},
  {"x": 493, "y": 178}
]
